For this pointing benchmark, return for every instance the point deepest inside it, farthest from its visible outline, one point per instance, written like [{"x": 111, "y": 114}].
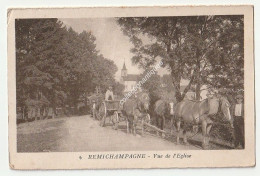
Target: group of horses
[{"x": 194, "y": 113}]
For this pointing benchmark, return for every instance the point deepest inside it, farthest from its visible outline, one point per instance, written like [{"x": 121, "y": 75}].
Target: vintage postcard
[{"x": 131, "y": 87}]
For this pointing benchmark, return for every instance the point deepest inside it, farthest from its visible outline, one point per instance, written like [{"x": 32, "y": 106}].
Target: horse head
[
  {"x": 144, "y": 100},
  {"x": 219, "y": 103},
  {"x": 225, "y": 108},
  {"x": 170, "y": 107}
]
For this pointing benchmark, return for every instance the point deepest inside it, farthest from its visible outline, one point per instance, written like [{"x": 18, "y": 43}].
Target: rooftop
[{"x": 131, "y": 77}]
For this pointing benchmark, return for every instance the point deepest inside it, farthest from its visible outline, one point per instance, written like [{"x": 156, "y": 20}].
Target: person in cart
[{"x": 109, "y": 94}]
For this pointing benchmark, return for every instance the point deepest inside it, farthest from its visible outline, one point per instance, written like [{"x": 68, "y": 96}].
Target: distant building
[
  {"x": 128, "y": 80},
  {"x": 166, "y": 83}
]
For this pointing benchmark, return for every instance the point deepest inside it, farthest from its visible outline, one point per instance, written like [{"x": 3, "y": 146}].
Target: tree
[
  {"x": 58, "y": 63},
  {"x": 36, "y": 66},
  {"x": 118, "y": 89},
  {"x": 167, "y": 81},
  {"x": 228, "y": 71},
  {"x": 152, "y": 86},
  {"x": 184, "y": 45}
]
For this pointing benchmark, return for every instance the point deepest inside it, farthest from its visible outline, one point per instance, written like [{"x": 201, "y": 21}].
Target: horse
[
  {"x": 163, "y": 109},
  {"x": 81, "y": 108},
  {"x": 95, "y": 102},
  {"x": 134, "y": 109},
  {"x": 200, "y": 112}
]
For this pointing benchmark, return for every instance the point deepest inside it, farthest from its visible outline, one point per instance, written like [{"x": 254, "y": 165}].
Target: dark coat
[{"x": 232, "y": 110}]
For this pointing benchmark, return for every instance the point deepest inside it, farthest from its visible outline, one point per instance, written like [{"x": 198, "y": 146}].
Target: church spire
[
  {"x": 124, "y": 71},
  {"x": 124, "y": 67}
]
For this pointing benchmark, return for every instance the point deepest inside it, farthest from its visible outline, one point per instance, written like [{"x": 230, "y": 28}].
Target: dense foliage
[
  {"x": 56, "y": 64},
  {"x": 206, "y": 50}
]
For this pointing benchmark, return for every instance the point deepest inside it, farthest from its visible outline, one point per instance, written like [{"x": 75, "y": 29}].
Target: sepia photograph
[{"x": 131, "y": 84}]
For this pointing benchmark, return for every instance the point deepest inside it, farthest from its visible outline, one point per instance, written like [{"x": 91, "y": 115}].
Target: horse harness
[{"x": 206, "y": 114}]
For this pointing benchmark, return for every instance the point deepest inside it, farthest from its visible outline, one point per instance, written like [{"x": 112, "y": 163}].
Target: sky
[{"x": 110, "y": 41}]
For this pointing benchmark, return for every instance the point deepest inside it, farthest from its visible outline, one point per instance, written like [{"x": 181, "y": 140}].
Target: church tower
[{"x": 124, "y": 71}]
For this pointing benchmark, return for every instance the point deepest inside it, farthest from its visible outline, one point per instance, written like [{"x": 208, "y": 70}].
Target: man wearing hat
[
  {"x": 238, "y": 112},
  {"x": 109, "y": 94}
]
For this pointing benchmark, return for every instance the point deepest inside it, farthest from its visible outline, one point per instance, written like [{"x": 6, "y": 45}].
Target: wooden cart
[{"x": 110, "y": 109}]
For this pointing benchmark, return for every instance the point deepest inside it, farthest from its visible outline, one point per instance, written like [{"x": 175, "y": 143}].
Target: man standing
[
  {"x": 239, "y": 122},
  {"x": 109, "y": 94}
]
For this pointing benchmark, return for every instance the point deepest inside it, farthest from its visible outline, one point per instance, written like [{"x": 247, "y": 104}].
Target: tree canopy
[
  {"x": 57, "y": 63},
  {"x": 201, "y": 49}
]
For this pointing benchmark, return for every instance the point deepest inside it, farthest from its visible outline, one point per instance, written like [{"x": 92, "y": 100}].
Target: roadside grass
[{"x": 40, "y": 136}]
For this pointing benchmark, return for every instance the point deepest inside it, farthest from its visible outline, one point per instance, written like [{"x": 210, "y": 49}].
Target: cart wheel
[
  {"x": 103, "y": 114},
  {"x": 115, "y": 120}
]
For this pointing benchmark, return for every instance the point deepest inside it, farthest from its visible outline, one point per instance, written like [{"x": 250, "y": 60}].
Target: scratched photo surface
[{"x": 140, "y": 83}]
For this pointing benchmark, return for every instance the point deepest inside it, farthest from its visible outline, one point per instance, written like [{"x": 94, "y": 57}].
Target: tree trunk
[
  {"x": 198, "y": 81},
  {"x": 198, "y": 84},
  {"x": 176, "y": 83},
  {"x": 198, "y": 90},
  {"x": 187, "y": 88},
  {"x": 178, "y": 95}
]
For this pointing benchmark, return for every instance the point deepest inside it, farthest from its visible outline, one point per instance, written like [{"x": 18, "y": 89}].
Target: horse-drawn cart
[
  {"x": 110, "y": 109},
  {"x": 94, "y": 102}
]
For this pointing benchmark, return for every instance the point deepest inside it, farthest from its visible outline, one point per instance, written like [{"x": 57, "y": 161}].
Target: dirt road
[{"x": 77, "y": 134}]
